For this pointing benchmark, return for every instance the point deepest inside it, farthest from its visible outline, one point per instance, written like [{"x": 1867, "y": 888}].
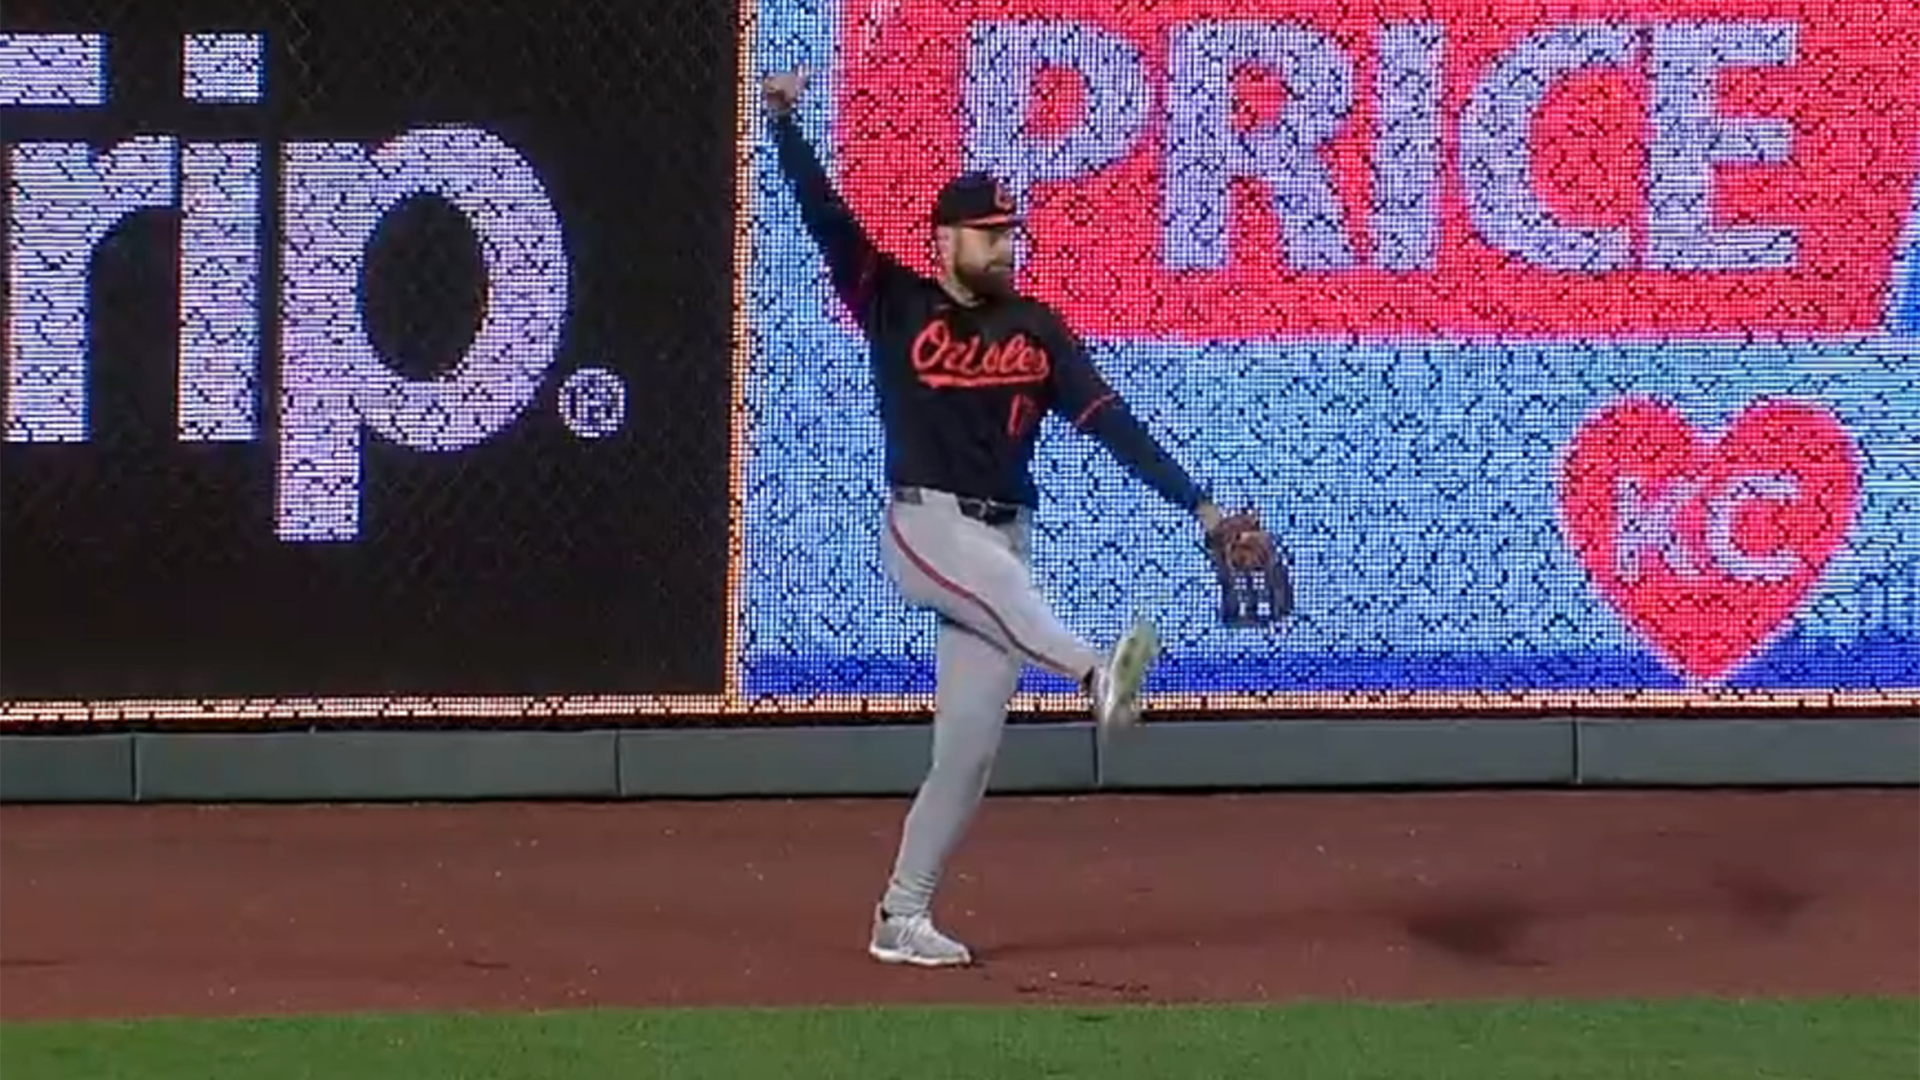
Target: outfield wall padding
[{"x": 890, "y": 760}]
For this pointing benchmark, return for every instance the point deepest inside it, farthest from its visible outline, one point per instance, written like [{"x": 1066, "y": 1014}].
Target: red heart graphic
[{"x": 1706, "y": 549}]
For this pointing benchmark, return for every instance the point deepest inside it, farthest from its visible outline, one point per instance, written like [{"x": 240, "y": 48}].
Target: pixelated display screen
[
  {"x": 1571, "y": 351},
  {"x": 352, "y": 366}
]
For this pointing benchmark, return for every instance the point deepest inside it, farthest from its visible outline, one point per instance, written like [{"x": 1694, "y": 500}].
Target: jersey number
[{"x": 1022, "y": 415}]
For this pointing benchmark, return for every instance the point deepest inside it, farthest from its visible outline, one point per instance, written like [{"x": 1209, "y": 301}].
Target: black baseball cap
[{"x": 975, "y": 200}]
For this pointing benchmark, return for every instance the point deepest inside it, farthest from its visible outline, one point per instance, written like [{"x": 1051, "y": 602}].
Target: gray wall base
[
  {"x": 375, "y": 765},
  {"x": 890, "y": 760},
  {"x": 881, "y": 760},
  {"x": 1750, "y": 752},
  {"x": 66, "y": 768},
  {"x": 1339, "y": 753}
]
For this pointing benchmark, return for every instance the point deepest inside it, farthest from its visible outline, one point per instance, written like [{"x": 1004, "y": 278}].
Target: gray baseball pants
[{"x": 992, "y": 623}]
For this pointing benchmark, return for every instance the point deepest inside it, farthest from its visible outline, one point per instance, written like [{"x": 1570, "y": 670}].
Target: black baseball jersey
[{"x": 962, "y": 388}]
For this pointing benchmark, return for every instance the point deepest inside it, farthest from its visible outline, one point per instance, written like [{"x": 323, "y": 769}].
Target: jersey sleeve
[
  {"x": 1083, "y": 397},
  {"x": 859, "y": 270}
]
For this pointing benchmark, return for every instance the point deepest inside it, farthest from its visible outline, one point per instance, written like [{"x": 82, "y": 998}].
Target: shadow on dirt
[{"x": 1482, "y": 930}]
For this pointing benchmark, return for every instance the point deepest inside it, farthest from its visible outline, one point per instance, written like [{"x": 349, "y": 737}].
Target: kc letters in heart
[{"x": 1707, "y": 545}]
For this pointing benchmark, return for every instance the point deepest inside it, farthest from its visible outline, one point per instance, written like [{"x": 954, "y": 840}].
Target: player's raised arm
[
  {"x": 1082, "y": 396},
  {"x": 857, "y": 266}
]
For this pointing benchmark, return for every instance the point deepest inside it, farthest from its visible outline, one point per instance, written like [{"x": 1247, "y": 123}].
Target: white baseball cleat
[
  {"x": 1116, "y": 685},
  {"x": 912, "y": 939}
]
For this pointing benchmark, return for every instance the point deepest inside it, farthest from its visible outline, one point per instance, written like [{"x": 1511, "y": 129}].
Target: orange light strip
[
  {"x": 743, "y": 188},
  {"x": 618, "y": 707}
]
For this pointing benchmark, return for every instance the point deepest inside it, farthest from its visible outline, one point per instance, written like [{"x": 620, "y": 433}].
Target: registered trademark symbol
[{"x": 593, "y": 403}]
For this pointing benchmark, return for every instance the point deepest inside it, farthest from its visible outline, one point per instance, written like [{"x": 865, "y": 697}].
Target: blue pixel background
[{"x": 1414, "y": 486}]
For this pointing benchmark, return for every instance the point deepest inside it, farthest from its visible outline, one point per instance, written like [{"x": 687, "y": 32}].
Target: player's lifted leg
[
  {"x": 1115, "y": 686},
  {"x": 978, "y": 576}
]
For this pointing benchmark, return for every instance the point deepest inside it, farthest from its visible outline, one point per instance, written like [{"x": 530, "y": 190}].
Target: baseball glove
[{"x": 1255, "y": 586}]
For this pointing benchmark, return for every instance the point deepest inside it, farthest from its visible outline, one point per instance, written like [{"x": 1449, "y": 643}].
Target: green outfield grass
[{"x": 1833, "y": 1039}]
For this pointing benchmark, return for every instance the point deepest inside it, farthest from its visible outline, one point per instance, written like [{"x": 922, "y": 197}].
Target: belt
[{"x": 989, "y": 511}]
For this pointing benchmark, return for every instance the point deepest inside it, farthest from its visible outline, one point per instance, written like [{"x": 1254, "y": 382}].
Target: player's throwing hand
[{"x": 781, "y": 92}]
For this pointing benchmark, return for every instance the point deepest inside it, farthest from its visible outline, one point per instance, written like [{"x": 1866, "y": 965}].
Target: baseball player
[{"x": 964, "y": 369}]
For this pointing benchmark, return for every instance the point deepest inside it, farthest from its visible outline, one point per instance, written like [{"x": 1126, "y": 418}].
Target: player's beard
[{"x": 989, "y": 281}]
